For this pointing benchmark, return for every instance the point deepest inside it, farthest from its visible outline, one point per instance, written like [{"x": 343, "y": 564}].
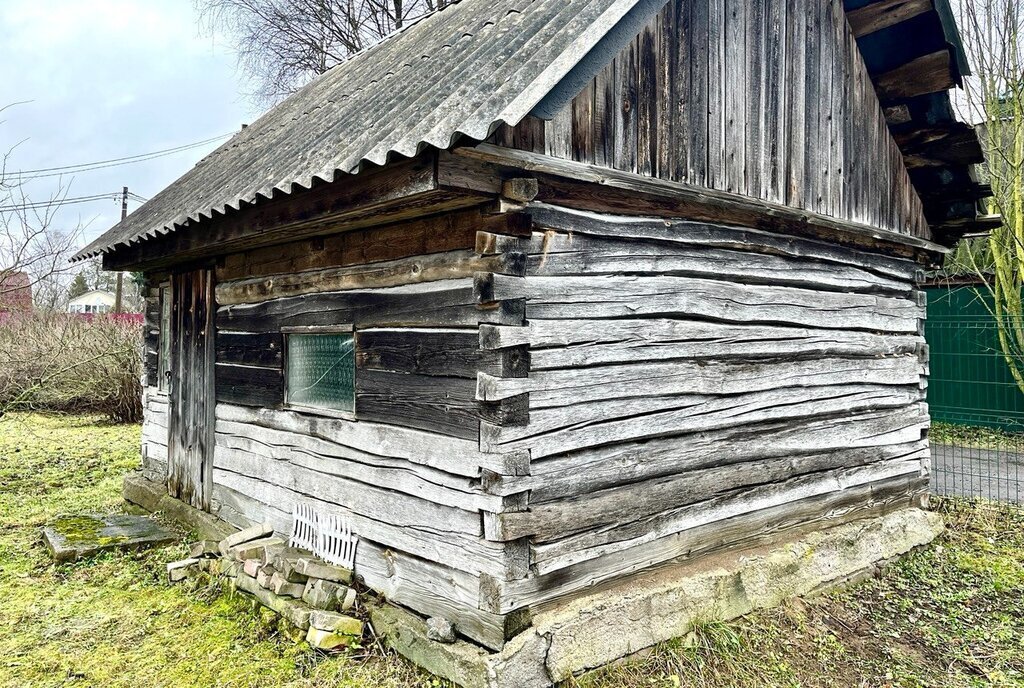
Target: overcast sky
[{"x": 108, "y": 79}]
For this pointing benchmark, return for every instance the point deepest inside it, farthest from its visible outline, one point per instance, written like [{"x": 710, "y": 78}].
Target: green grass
[
  {"x": 976, "y": 436},
  {"x": 949, "y": 615}
]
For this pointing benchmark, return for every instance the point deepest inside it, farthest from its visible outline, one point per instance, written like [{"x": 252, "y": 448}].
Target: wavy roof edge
[{"x": 326, "y": 129}]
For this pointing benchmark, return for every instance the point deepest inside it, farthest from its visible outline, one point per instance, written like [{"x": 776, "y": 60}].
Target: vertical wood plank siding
[{"x": 766, "y": 99}]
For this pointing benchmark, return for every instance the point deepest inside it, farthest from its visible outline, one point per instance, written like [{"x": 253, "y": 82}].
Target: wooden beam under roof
[
  {"x": 883, "y": 14},
  {"x": 925, "y": 74}
]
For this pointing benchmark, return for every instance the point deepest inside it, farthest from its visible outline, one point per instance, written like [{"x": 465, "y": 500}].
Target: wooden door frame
[{"x": 185, "y": 382}]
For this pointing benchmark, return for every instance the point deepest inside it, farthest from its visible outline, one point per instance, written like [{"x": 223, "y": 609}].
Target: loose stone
[
  {"x": 204, "y": 549},
  {"x": 335, "y": 623},
  {"x": 314, "y": 568},
  {"x": 180, "y": 570},
  {"x": 440, "y": 629}
]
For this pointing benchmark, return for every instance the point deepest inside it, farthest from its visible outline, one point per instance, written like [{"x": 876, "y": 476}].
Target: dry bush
[{"x": 65, "y": 363}]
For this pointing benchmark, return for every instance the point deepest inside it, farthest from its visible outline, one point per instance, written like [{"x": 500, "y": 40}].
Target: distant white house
[{"x": 95, "y": 301}]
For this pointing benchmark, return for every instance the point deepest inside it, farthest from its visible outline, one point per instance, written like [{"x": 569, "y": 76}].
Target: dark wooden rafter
[
  {"x": 880, "y": 15},
  {"x": 913, "y": 62}
]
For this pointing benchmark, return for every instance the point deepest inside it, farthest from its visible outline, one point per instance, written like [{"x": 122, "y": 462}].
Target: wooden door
[{"x": 190, "y": 425}]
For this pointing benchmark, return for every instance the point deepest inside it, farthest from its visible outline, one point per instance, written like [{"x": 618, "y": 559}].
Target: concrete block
[
  {"x": 335, "y": 623},
  {"x": 315, "y": 568},
  {"x": 69, "y": 538},
  {"x": 296, "y": 612},
  {"x": 204, "y": 548},
  {"x": 265, "y": 576},
  {"x": 322, "y": 594},
  {"x": 325, "y": 640},
  {"x": 180, "y": 570},
  {"x": 254, "y": 549},
  {"x": 279, "y": 585},
  {"x": 256, "y": 532}
]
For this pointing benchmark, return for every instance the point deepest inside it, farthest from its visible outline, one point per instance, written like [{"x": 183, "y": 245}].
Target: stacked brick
[{"x": 314, "y": 598}]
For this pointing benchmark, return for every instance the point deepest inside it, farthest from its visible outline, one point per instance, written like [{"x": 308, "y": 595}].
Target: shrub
[{"x": 65, "y": 363}]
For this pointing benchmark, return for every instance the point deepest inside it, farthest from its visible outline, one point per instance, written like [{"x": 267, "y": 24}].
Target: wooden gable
[{"x": 761, "y": 98}]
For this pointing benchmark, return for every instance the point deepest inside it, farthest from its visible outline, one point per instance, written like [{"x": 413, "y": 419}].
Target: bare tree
[
  {"x": 282, "y": 44},
  {"x": 993, "y": 33},
  {"x": 33, "y": 252}
]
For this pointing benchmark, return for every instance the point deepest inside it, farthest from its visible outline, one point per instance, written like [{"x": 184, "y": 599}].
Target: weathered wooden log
[
  {"x": 448, "y": 454},
  {"x": 404, "y": 271},
  {"x": 265, "y": 349},
  {"x": 553, "y": 388},
  {"x": 557, "y": 430},
  {"x": 333, "y": 459},
  {"x": 249, "y": 385},
  {"x": 579, "y": 343},
  {"x": 444, "y": 352},
  {"x": 447, "y": 303},
  {"x": 582, "y": 472},
  {"x": 744, "y": 530},
  {"x": 626, "y": 296}
]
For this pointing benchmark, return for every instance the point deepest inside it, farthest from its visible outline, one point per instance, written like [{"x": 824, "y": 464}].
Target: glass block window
[
  {"x": 320, "y": 370},
  {"x": 164, "y": 355}
]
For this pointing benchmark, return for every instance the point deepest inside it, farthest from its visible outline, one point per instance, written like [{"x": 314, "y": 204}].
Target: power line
[
  {"x": 113, "y": 162},
  {"x": 58, "y": 202}
]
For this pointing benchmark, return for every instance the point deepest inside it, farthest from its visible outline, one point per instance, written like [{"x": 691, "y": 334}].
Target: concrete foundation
[{"x": 591, "y": 631}]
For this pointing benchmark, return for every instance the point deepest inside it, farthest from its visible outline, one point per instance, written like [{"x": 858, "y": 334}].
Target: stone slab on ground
[
  {"x": 598, "y": 628},
  {"x": 74, "y": 537},
  {"x": 153, "y": 497}
]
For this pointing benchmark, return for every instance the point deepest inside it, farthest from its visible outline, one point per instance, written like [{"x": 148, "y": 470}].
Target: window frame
[
  {"x": 348, "y": 329},
  {"x": 164, "y": 343}
]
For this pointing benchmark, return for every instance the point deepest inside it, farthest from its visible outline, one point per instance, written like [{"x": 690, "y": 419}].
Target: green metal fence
[{"x": 976, "y": 407}]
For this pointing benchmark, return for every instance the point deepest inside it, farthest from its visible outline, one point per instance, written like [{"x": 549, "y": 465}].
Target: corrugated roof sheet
[{"x": 460, "y": 71}]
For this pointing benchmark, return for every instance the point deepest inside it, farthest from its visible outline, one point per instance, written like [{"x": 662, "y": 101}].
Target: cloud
[{"x": 106, "y": 79}]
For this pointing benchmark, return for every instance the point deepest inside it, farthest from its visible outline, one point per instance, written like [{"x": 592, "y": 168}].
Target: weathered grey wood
[
  {"x": 446, "y": 303},
  {"x": 429, "y": 268},
  {"x": 461, "y": 551},
  {"x": 610, "y": 509},
  {"x": 332, "y": 458},
  {"x": 444, "y": 352},
  {"x": 610, "y": 296},
  {"x": 741, "y": 531},
  {"x": 593, "y": 543},
  {"x": 357, "y": 497},
  {"x": 263, "y": 349},
  {"x": 451, "y": 455},
  {"x": 556, "y": 388},
  {"x": 561, "y": 429},
  {"x": 762, "y": 91},
  {"x": 707, "y": 235},
  {"x": 571, "y": 343},
  {"x": 576, "y": 253},
  {"x": 586, "y": 187},
  {"x": 598, "y": 468},
  {"x": 431, "y": 588},
  {"x": 444, "y": 405},
  {"x": 249, "y": 385},
  {"x": 190, "y": 420}
]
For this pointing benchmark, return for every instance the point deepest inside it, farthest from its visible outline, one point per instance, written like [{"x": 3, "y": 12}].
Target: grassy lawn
[{"x": 950, "y": 615}]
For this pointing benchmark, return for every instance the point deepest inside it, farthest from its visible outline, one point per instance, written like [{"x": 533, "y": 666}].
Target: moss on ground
[{"x": 949, "y": 615}]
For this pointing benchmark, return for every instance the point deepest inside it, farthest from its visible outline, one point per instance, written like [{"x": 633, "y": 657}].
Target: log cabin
[{"x": 545, "y": 294}]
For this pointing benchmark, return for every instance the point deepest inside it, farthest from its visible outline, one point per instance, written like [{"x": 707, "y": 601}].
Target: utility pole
[{"x": 118, "y": 295}]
